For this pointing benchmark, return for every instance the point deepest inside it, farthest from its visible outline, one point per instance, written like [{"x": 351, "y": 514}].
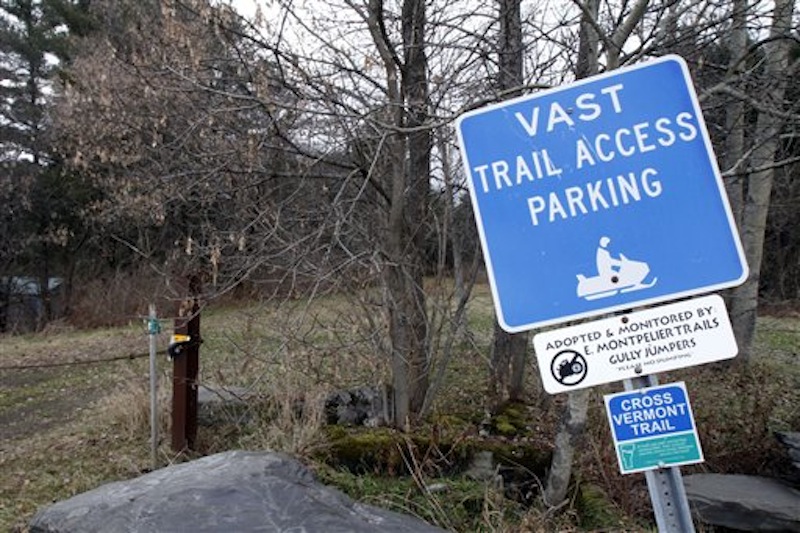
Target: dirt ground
[
  {"x": 45, "y": 382},
  {"x": 42, "y": 400}
]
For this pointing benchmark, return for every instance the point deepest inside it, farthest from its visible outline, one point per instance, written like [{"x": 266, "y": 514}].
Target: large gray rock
[
  {"x": 228, "y": 492},
  {"x": 748, "y": 503}
]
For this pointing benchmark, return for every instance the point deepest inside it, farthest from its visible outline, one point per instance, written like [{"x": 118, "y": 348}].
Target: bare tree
[
  {"x": 251, "y": 158},
  {"x": 777, "y": 69},
  {"x": 573, "y": 421},
  {"x": 508, "y": 354},
  {"x": 295, "y": 157},
  {"x": 408, "y": 168},
  {"x": 735, "y": 124},
  {"x": 685, "y": 27}
]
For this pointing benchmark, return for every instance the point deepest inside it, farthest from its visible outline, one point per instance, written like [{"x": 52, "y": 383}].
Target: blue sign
[
  {"x": 653, "y": 428},
  {"x": 650, "y": 412},
  {"x": 598, "y": 196}
]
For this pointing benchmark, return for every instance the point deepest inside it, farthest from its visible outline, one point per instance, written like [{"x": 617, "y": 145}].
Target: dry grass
[
  {"x": 127, "y": 409},
  {"x": 80, "y": 426}
]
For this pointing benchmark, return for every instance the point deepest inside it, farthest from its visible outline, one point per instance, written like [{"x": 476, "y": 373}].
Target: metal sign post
[
  {"x": 667, "y": 493},
  {"x": 153, "y": 329}
]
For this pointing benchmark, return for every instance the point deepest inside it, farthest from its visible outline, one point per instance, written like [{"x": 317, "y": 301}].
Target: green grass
[{"x": 779, "y": 337}]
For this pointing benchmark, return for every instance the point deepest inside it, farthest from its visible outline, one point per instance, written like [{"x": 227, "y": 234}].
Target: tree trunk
[
  {"x": 572, "y": 428},
  {"x": 452, "y": 236},
  {"x": 573, "y": 421},
  {"x": 408, "y": 324},
  {"x": 408, "y": 334},
  {"x": 509, "y": 351},
  {"x": 744, "y": 299},
  {"x": 408, "y": 150},
  {"x": 735, "y": 114}
]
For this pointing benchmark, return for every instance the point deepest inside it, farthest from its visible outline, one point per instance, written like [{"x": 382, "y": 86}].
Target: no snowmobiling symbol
[
  {"x": 568, "y": 367},
  {"x": 599, "y": 196}
]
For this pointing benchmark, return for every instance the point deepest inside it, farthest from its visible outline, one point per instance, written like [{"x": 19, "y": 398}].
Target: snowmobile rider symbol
[{"x": 614, "y": 275}]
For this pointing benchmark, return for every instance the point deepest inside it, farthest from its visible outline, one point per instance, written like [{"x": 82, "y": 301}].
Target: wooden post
[{"x": 185, "y": 368}]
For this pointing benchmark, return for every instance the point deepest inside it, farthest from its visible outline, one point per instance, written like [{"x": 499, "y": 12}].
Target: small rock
[
  {"x": 434, "y": 488},
  {"x": 223, "y": 405},
  {"x": 483, "y": 468},
  {"x": 362, "y": 406}
]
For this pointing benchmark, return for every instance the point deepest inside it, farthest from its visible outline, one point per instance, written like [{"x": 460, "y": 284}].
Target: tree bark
[
  {"x": 573, "y": 421},
  {"x": 744, "y": 299},
  {"x": 408, "y": 323},
  {"x": 567, "y": 440},
  {"x": 408, "y": 167},
  {"x": 509, "y": 351},
  {"x": 735, "y": 113}
]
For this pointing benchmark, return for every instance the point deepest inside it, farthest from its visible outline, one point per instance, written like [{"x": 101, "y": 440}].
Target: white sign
[{"x": 687, "y": 333}]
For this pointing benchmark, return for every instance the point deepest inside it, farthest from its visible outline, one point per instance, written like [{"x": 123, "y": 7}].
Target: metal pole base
[{"x": 667, "y": 493}]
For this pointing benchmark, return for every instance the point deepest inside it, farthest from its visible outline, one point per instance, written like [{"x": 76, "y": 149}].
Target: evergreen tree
[{"x": 39, "y": 228}]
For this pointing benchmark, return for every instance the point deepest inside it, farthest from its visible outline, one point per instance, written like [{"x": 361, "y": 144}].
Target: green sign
[{"x": 659, "y": 452}]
